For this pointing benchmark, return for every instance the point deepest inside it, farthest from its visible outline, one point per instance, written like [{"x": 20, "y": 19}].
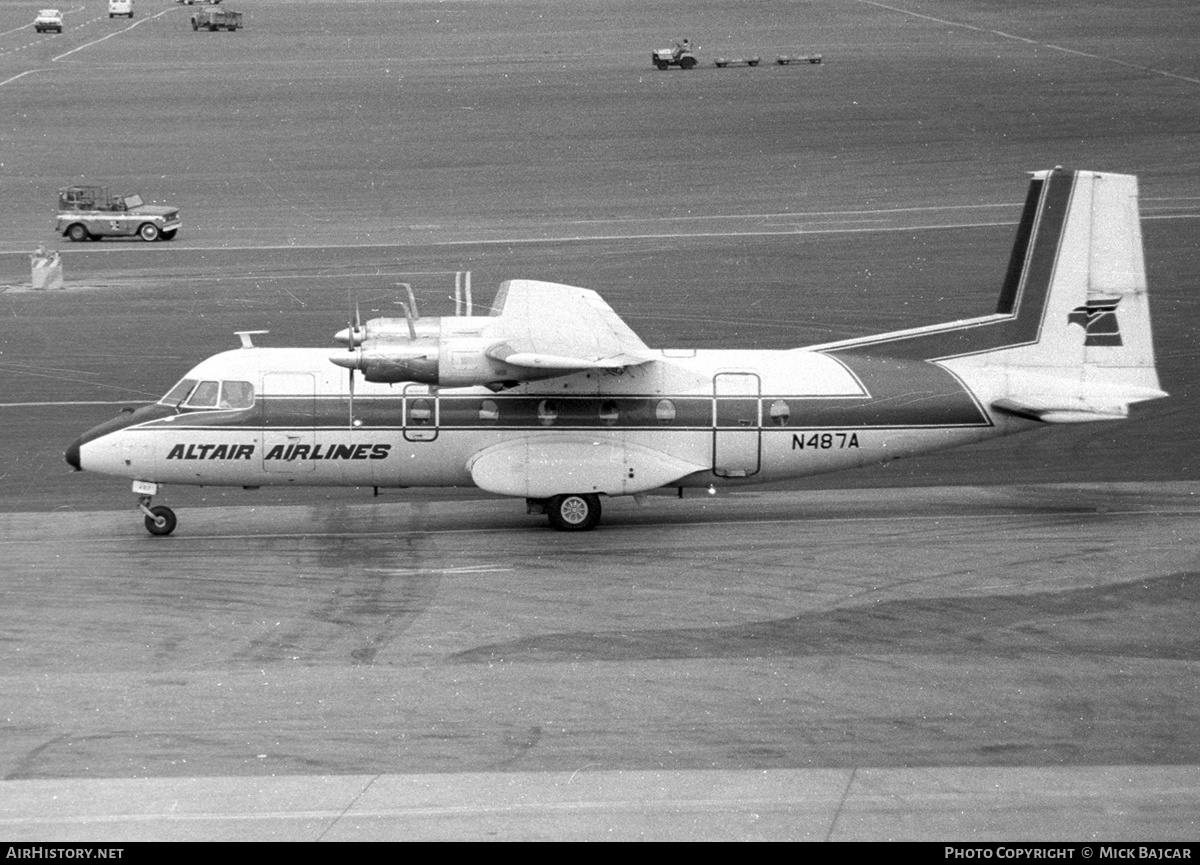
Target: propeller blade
[{"x": 354, "y": 333}]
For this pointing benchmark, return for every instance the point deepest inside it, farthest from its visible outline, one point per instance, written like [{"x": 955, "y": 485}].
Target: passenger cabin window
[
  {"x": 608, "y": 413},
  {"x": 420, "y": 412},
  {"x": 664, "y": 412},
  {"x": 489, "y": 412},
  {"x": 547, "y": 412},
  {"x": 780, "y": 413}
]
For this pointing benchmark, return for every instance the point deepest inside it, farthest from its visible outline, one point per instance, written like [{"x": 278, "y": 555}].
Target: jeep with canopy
[{"x": 92, "y": 212}]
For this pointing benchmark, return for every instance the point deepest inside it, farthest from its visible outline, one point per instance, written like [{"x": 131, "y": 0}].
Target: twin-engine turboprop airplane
[{"x": 552, "y": 398}]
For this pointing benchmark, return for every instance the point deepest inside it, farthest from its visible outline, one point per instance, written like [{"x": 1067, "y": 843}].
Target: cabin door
[{"x": 736, "y": 427}]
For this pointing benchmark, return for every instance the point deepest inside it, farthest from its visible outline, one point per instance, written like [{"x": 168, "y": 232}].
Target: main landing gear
[
  {"x": 160, "y": 519},
  {"x": 573, "y": 512}
]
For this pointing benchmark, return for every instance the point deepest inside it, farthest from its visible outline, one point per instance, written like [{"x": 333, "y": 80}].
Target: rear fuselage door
[{"x": 736, "y": 424}]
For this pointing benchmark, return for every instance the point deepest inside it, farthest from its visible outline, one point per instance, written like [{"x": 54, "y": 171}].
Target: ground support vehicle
[
  {"x": 123, "y": 8},
  {"x": 722, "y": 62},
  {"x": 785, "y": 59},
  {"x": 92, "y": 212},
  {"x": 47, "y": 20},
  {"x": 215, "y": 18},
  {"x": 665, "y": 58}
]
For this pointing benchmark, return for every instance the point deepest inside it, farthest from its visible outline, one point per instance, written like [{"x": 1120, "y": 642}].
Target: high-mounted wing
[{"x": 545, "y": 325}]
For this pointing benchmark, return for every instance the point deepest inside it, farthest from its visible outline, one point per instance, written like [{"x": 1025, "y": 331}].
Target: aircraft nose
[{"x": 72, "y": 456}]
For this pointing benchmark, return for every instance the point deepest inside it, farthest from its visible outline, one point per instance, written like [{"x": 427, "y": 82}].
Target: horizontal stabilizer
[
  {"x": 1059, "y": 414},
  {"x": 541, "y": 467},
  {"x": 1066, "y": 400}
]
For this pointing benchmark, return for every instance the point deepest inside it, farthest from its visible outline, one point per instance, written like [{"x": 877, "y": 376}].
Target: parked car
[
  {"x": 120, "y": 7},
  {"x": 47, "y": 20}
]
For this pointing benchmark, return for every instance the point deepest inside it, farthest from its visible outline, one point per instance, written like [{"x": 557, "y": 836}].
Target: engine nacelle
[
  {"x": 401, "y": 362},
  {"x": 447, "y": 362}
]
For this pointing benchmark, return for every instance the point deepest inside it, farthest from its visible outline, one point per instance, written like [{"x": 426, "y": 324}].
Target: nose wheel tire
[
  {"x": 576, "y": 512},
  {"x": 161, "y": 521}
]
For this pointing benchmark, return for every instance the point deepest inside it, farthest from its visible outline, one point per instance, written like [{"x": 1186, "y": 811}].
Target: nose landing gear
[{"x": 160, "y": 519}]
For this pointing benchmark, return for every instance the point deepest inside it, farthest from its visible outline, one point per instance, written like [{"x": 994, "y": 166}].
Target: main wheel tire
[
  {"x": 148, "y": 232},
  {"x": 163, "y": 521},
  {"x": 77, "y": 233},
  {"x": 575, "y": 512}
]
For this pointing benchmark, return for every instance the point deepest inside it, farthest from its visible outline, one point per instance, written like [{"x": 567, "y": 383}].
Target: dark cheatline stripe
[
  {"x": 144, "y": 414},
  {"x": 896, "y": 393},
  {"x": 1024, "y": 298},
  {"x": 900, "y": 393},
  {"x": 1016, "y": 261}
]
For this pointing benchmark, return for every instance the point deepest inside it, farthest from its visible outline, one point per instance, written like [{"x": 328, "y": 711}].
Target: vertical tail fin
[{"x": 1076, "y": 302}]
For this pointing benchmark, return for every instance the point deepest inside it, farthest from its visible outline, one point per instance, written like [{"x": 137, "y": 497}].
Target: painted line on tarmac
[
  {"x": 781, "y": 231},
  {"x": 571, "y": 238},
  {"x": 1029, "y": 41},
  {"x": 137, "y": 23},
  {"x": 79, "y": 402},
  {"x": 826, "y": 215},
  {"x": 22, "y": 75}
]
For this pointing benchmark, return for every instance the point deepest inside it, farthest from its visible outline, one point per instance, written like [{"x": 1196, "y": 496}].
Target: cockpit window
[
  {"x": 179, "y": 393},
  {"x": 205, "y": 395},
  {"x": 210, "y": 395},
  {"x": 236, "y": 394}
]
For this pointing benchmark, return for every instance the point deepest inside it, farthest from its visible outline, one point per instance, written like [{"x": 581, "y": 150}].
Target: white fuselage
[{"x": 725, "y": 417}]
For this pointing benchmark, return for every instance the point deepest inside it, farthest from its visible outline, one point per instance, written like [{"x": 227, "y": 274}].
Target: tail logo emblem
[{"x": 1099, "y": 322}]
